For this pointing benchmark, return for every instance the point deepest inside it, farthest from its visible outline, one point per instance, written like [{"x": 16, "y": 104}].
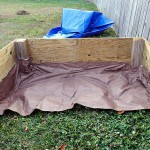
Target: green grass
[
  {"x": 44, "y": 15},
  {"x": 80, "y": 128}
]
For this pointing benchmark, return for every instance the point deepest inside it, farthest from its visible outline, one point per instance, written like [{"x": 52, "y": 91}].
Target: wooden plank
[
  {"x": 131, "y": 17},
  {"x": 126, "y": 17},
  {"x": 142, "y": 24},
  {"x": 108, "y": 4},
  {"x": 149, "y": 35},
  {"x": 116, "y": 16},
  {"x": 147, "y": 24},
  {"x": 121, "y": 18},
  {"x": 21, "y": 49},
  {"x": 7, "y": 59},
  {"x": 137, "y": 51},
  {"x": 146, "y": 55},
  {"x": 71, "y": 50},
  {"x": 136, "y": 18}
]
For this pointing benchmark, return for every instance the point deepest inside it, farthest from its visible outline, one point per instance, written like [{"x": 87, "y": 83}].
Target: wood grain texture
[
  {"x": 21, "y": 49},
  {"x": 72, "y": 50},
  {"x": 137, "y": 51},
  {"x": 131, "y": 17},
  {"x": 146, "y": 55},
  {"x": 7, "y": 59}
]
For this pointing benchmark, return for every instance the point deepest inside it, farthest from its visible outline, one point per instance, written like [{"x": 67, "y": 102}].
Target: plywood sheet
[
  {"x": 137, "y": 51},
  {"x": 72, "y": 50},
  {"x": 146, "y": 55},
  {"x": 7, "y": 59}
]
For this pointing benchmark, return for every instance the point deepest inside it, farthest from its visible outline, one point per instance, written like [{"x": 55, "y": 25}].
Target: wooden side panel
[
  {"x": 64, "y": 50},
  {"x": 7, "y": 59},
  {"x": 21, "y": 49},
  {"x": 146, "y": 55},
  {"x": 137, "y": 51}
]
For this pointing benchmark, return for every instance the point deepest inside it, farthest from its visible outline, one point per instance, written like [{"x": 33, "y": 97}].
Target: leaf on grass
[
  {"x": 26, "y": 128},
  {"x": 62, "y": 147}
]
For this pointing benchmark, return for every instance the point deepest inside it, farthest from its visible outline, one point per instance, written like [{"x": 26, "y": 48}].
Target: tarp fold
[{"x": 78, "y": 23}]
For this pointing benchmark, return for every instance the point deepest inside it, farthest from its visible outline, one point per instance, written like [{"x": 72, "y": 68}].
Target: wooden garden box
[{"x": 136, "y": 51}]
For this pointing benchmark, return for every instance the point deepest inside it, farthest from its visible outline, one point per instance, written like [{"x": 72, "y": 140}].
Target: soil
[{"x": 22, "y": 12}]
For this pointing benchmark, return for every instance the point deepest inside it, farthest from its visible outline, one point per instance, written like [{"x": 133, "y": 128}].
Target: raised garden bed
[{"x": 55, "y": 74}]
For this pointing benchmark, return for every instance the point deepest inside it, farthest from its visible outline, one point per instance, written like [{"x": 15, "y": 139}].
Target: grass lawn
[
  {"x": 44, "y": 15},
  {"x": 80, "y": 128}
]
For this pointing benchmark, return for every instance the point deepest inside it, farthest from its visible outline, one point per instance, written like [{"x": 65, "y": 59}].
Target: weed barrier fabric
[{"x": 59, "y": 86}]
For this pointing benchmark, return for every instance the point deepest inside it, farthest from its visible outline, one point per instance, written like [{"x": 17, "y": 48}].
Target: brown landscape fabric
[{"x": 58, "y": 86}]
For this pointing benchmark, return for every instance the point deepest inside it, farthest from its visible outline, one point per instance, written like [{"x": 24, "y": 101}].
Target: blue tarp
[{"x": 78, "y": 23}]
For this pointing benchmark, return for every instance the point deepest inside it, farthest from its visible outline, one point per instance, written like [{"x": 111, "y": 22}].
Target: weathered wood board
[
  {"x": 131, "y": 17},
  {"x": 21, "y": 49},
  {"x": 7, "y": 59},
  {"x": 137, "y": 51},
  {"x": 72, "y": 50},
  {"x": 146, "y": 55},
  {"x": 134, "y": 50}
]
